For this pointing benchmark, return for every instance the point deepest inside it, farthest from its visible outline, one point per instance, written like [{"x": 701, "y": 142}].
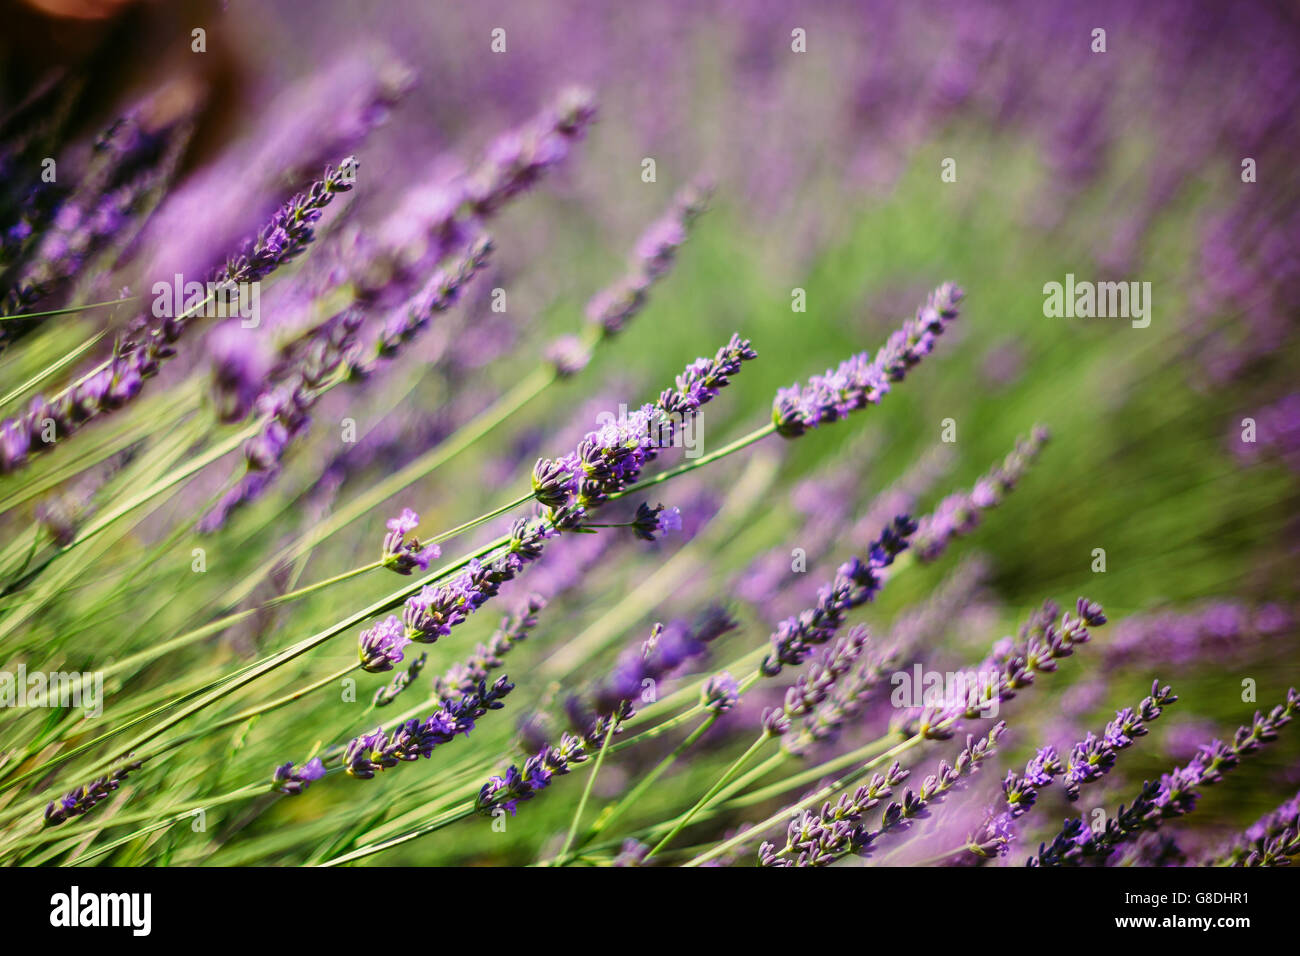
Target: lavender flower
[
  {"x": 1094, "y": 756},
  {"x": 434, "y": 611},
  {"x": 413, "y": 739},
  {"x": 1014, "y": 664},
  {"x": 516, "y": 160},
  {"x": 1272, "y": 840},
  {"x": 440, "y": 293},
  {"x": 650, "y": 523},
  {"x": 612, "y": 308},
  {"x": 462, "y": 678},
  {"x": 811, "y": 689},
  {"x": 140, "y": 353},
  {"x": 861, "y": 380},
  {"x": 83, "y": 799},
  {"x": 293, "y": 782},
  {"x": 1173, "y": 795},
  {"x": 1089, "y": 760},
  {"x": 959, "y": 514},
  {"x": 664, "y": 652},
  {"x": 856, "y": 582},
  {"x": 405, "y": 556},
  {"x": 518, "y": 785},
  {"x": 390, "y": 692},
  {"x": 381, "y": 645},
  {"x": 819, "y": 839},
  {"x": 720, "y": 693},
  {"x": 610, "y": 459}
]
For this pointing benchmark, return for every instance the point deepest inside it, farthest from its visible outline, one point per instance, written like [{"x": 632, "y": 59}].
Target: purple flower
[
  {"x": 1173, "y": 795},
  {"x": 293, "y": 782},
  {"x": 517, "y": 785},
  {"x": 387, "y": 694},
  {"x": 381, "y": 645},
  {"x": 650, "y": 523},
  {"x": 82, "y": 800},
  {"x": 611, "y": 458},
  {"x": 405, "y": 556},
  {"x": 720, "y": 693},
  {"x": 1013, "y": 664},
  {"x": 462, "y": 678},
  {"x": 370, "y": 753},
  {"x": 862, "y": 380},
  {"x": 613, "y": 307},
  {"x": 959, "y": 514},
  {"x": 856, "y": 582}
]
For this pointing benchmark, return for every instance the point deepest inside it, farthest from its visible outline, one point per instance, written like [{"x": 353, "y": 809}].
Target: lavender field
[{"x": 579, "y": 434}]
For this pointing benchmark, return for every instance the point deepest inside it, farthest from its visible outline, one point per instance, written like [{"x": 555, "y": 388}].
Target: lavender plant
[{"x": 742, "y": 617}]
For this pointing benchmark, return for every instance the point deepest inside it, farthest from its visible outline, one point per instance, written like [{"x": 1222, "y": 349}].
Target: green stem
[
  {"x": 712, "y": 792},
  {"x": 586, "y": 791},
  {"x": 630, "y": 799}
]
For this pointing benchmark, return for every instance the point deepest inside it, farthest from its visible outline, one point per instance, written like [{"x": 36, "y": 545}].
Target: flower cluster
[
  {"x": 83, "y": 799},
  {"x": 811, "y": 688},
  {"x": 862, "y": 380},
  {"x": 434, "y": 611},
  {"x": 380, "y": 647},
  {"x": 463, "y": 677},
  {"x": 611, "y": 458},
  {"x": 820, "y": 839},
  {"x": 1089, "y": 760},
  {"x": 293, "y": 782},
  {"x": 612, "y": 308},
  {"x": 856, "y": 582},
  {"x": 638, "y": 668},
  {"x": 403, "y": 555},
  {"x": 1272, "y": 840},
  {"x": 959, "y": 514},
  {"x": 367, "y": 755},
  {"x": 720, "y": 693},
  {"x": 651, "y": 522},
  {"x": 1173, "y": 795},
  {"x": 142, "y": 350},
  {"x": 1041, "y": 643},
  {"x": 394, "y": 688},
  {"x": 519, "y": 158},
  {"x": 517, "y": 785}
]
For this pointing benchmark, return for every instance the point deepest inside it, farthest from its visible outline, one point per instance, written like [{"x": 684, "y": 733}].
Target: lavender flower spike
[
  {"x": 861, "y": 380},
  {"x": 381, "y": 646},
  {"x": 609, "y": 459},
  {"x": 142, "y": 350},
  {"x": 1089, "y": 760},
  {"x": 1173, "y": 795},
  {"x": 413, "y": 739},
  {"x": 856, "y": 582},
  {"x": 959, "y": 514},
  {"x": 82, "y": 800},
  {"x": 612, "y": 308},
  {"x": 293, "y": 782},
  {"x": 405, "y": 556},
  {"x": 516, "y": 785},
  {"x": 1271, "y": 840}
]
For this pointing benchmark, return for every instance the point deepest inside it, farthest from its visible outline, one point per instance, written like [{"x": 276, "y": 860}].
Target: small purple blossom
[
  {"x": 293, "y": 782},
  {"x": 370, "y": 753},
  {"x": 381, "y": 646},
  {"x": 402, "y": 555},
  {"x": 861, "y": 380}
]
